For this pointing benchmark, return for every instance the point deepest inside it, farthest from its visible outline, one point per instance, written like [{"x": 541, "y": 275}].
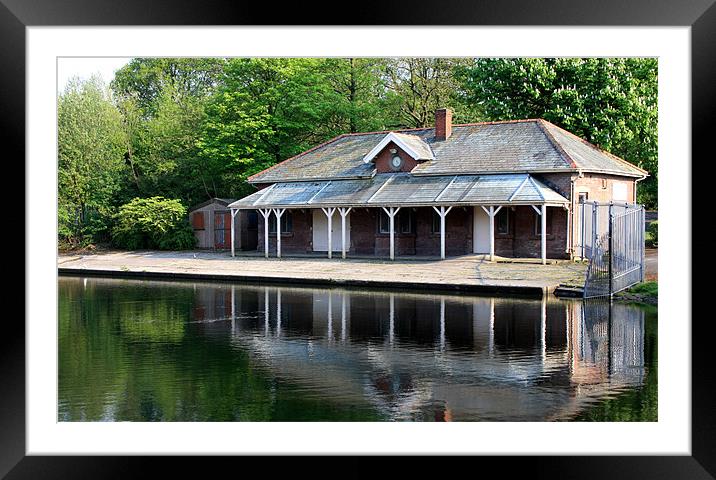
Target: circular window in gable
[{"x": 396, "y": 163}]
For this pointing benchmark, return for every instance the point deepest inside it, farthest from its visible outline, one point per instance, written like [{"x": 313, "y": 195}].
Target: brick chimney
[{"x": 443, "y": 123}]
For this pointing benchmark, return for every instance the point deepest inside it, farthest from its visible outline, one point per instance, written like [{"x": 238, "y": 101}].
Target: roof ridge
[
  {"x": 570, "y": 161},
  {"x": 497, "y": 122},
  {"x": 596, "y": 147},
  {"x": 470, "y": 124},
  {"x": 355, "y": 134}
]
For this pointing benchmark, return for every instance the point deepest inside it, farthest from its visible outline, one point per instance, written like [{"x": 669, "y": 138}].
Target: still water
[{"x": 132, "y": 350}]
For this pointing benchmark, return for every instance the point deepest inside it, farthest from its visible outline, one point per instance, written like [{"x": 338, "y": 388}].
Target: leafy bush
[
  {"x": 155, "y": 223},
  {"x": 653, "y": 231}
]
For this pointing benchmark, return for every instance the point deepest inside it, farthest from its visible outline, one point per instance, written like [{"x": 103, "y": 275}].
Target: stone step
[{"x": 568, "y": 291}]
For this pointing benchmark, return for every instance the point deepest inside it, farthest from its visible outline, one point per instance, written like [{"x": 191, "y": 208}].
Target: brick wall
[
  {"x": 458, "y": 232},
  {"x": 600, "y": 187},
  {"x": 522, "y": 241},
  {"x": 364, "y": 224}
]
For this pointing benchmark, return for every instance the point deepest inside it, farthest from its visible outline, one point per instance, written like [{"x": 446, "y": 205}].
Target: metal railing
[{"x": 614, "y": 244}]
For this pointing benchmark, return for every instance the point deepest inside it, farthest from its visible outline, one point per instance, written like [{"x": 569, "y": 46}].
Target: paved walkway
[{"x": 467, "y": 270}]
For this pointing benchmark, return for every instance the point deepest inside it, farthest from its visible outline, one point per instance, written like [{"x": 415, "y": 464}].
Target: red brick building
[{"x": 500, "y": 188}]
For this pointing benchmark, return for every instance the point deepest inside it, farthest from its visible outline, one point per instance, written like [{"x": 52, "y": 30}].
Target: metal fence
[{"x": 612, "y": 238}]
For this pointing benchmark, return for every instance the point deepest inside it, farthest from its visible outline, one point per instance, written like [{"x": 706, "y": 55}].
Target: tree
[
  {"x": 419, "y": 86},
  {"x": 611, "y": 102},
  {"x": 90, "y": 160},
  {"x": 361, "y": 104}
]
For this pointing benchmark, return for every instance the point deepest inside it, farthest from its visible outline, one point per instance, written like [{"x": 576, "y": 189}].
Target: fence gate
[{"x": 612, "y": 238}]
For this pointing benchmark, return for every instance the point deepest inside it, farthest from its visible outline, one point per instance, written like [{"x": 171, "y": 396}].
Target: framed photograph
[{"x": 334, "y": 240}]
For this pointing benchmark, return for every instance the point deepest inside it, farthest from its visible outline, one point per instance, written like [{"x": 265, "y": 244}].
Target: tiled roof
[
  {"x": 221, "y": 201},
  {"x": 481, "y": 148},
  {"x": 398, "y": 189}
]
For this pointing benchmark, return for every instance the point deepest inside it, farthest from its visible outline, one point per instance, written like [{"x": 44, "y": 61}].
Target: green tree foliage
[
  {"x": 611, "y": 102},
  {"x": 163, "y": 101},
  {"x": 90, "y": 161},
  {"x": 148, "y": 79},
  {"x": 267, "y": 110},
  {"x": 155, "y": 223}
]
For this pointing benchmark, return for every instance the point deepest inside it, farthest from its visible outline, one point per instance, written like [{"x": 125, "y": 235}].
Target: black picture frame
[{"x": 700, "y": 15}]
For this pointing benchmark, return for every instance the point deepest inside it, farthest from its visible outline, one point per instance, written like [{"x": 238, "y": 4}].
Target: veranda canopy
[{"x": 403, "y": 189}]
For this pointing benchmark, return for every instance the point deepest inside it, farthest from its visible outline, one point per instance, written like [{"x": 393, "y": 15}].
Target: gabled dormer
[{"x": 399, "y": 152}]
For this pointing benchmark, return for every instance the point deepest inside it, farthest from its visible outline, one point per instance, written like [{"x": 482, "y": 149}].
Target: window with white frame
[{"x": 286, "y": 223}]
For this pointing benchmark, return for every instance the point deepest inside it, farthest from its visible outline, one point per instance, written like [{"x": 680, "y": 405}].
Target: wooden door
[{"x": 222, "y": 230}]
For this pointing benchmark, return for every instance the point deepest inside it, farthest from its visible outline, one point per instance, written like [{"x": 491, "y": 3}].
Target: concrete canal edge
[{"x": 506, "y": 290}]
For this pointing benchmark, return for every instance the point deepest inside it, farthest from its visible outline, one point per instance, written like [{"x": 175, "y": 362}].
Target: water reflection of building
[{"x": 433, "y": 356}]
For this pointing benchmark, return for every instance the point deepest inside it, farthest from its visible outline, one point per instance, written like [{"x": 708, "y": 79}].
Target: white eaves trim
[{"x": 392, "y": 137}]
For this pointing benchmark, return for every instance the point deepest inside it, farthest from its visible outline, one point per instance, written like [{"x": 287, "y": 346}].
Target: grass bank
[{"x": 646, "y": 292}]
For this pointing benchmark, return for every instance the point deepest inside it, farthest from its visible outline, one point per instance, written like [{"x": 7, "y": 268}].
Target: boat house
[{"x": 508, "y": 188}]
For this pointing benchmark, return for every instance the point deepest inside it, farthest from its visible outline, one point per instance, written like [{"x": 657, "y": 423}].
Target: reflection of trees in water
[
  {"x": 122, "y": 356},
  {"x": 298, "y": 353}
]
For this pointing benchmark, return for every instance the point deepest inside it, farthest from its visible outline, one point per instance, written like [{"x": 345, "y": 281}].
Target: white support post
[
  {"x": 392, "y": 212},
  {"x": 329, "y": 214},
  {"x": 443, "y": 213},
  {"x": 544, "y": 234},
  {"x": 491, "y": 213},
  {"x": 233, "y": 233},
  {"x": 279, "y": 213},
  {"x": 344, "y": 212},
  {"x": 266, "y": 213}
]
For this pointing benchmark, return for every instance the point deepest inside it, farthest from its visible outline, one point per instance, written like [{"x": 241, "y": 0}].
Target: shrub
[
  {"x": 653, "y": 230},
  {"x": 155, "y": 223}
]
